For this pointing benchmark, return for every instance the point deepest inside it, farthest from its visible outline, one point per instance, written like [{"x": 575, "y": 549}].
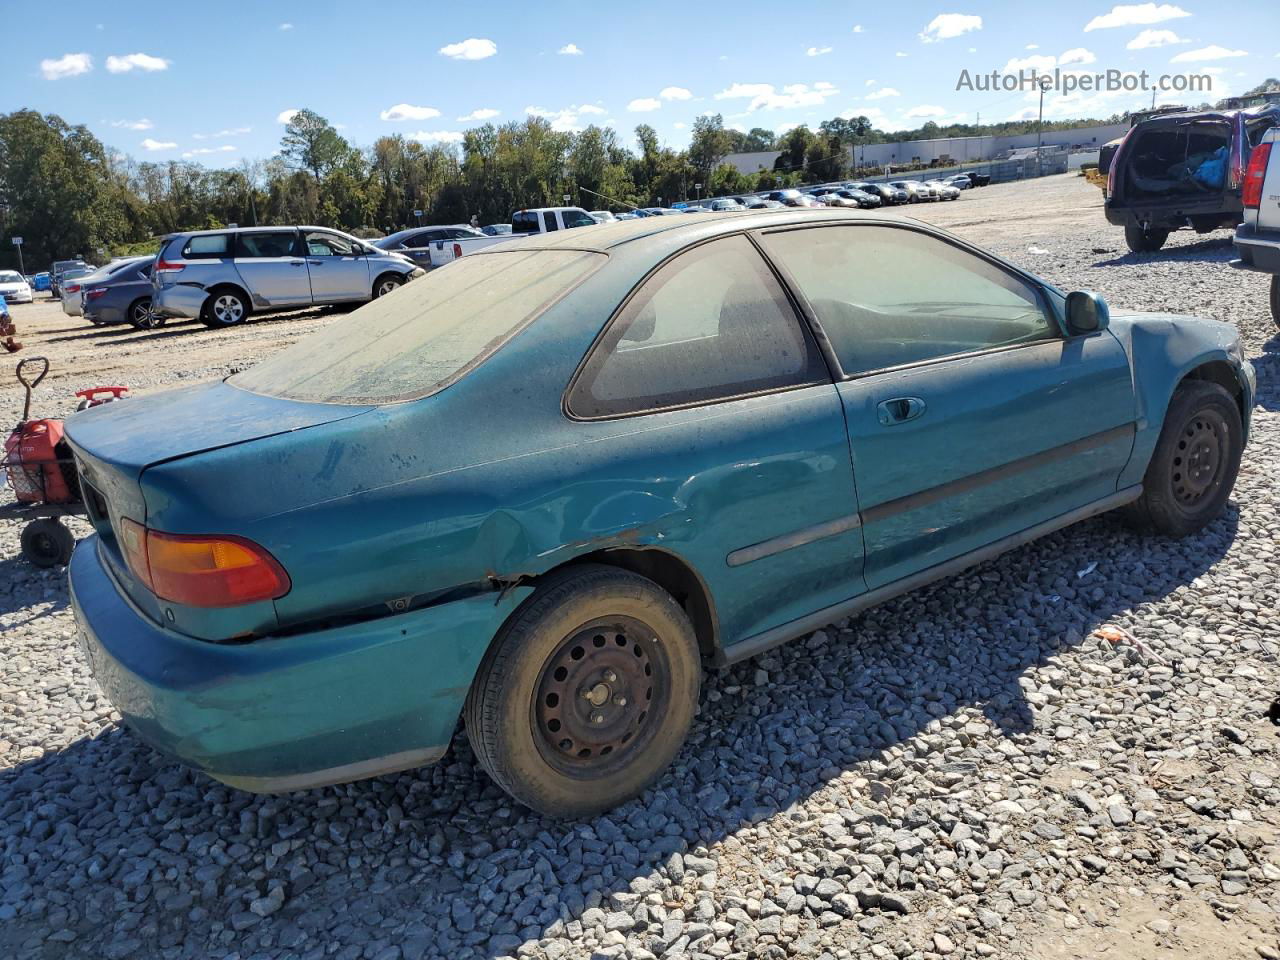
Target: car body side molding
[
  {"x": 797, "y": 538},
  {"x": 761, "y": 642}
]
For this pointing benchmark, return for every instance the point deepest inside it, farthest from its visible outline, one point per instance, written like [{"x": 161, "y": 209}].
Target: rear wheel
[
  {"x": 1275, "y": 299},
  {"x": 1195, "y": 462},
  {"x": 587, "y": 693},
  {"x": 47, "y": 543},
  {"x": 225, "y": 308},
  {"x": 140, "y": 314},
  {"x": 1147, "y": 240}
]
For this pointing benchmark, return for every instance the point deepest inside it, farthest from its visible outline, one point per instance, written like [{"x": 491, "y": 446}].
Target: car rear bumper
[
  {"x": 287, "y": 712},
  {"x": 180, "y": 301},
  {"x": 17, "y": 298},
  {"x": 1259, "y": 249}
]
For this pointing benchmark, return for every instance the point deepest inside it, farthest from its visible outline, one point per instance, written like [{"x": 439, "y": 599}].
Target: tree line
[{"x": 67, "y": 194}]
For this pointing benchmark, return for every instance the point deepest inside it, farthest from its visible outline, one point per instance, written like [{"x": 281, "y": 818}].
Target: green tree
[
  {"x": 709, "y": 143},
  {"x": 311, "y": 143}
]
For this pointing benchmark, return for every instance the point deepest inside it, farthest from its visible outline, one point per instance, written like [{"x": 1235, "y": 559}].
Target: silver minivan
[{"x": 223, "y": 276}]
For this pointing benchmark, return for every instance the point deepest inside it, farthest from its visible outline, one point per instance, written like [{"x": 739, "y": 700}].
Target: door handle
[
  {"x": 295, "y": 263},
  {"x": 316, "y": 263},
  {"x": 899, "y": 410}
]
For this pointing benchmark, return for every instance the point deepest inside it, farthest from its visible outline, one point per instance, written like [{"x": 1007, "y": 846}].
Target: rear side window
[
  {"x": 427, "y": 335},
  {"x": 577, "y": 218},
  {"x": 549, "y": 221},
  {"x": 711, "y": 325},
  {"x": 207, "y": 247},
  {"x": 524, "y": 221},
  {"x": 269, "y": 244}
]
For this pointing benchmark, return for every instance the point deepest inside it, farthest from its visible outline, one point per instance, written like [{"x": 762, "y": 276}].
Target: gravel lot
[{"x": 967, "y": 771}]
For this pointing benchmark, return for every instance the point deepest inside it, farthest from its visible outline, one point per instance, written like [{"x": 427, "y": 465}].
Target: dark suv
[{"x": 1180, "y": 170}]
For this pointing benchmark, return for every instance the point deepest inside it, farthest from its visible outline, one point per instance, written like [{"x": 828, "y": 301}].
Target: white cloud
[
  {"x": 570, "y": 50},
  {"x": 901, "y": 54},
  {"x": 407, "y": 111},
  {"x": 787, "y": 127},
  {"x": 149, "y": 144},
  {"x": 590, "y": 108},
  {"x": 678, "y": 126},
  {"x": 1077, "y": 55},
  {"x": 874, "y": 114},
  {"x": 925, "y": 110},
  {"x": 644, "y": 104},
  {"x": 882, "y": 93},
  {"x": 1135, "y": 14},
  {"x": 286, "y": 26},
  {"x": 136, "y": 61},
  {"x": 870, "y": 83},
  {"x": 67, "y": 65},
  {"x": 143, "y": 124},
  {"x": 484, "y": 113},
  {"x": 973, "y": 49},
  {"x": 947, "y": 25},
  {"x": 567, "y": 119},
  {"x": 201, "y": 151},
  {"x": 792, "y": 96},
  {"x": 817, "y": 51},
  {"x": 1033, "y": 46},
  {"x": 230, "y": 132},
  {"x": 437, "y": 136},
  {"x": 675, "y": 93},
  {"x": 857, "y": 28},
  {"x": 1154, "y": 38},
  {"x": 472, "y": 48},
  {"x": 1212, "y": 52},
  {"x": 284, "y": 116},
  {"x": 1039, "y": 62}
]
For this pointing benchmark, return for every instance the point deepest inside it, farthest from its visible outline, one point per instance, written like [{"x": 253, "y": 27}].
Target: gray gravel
[{"x": 966, "y": 771}]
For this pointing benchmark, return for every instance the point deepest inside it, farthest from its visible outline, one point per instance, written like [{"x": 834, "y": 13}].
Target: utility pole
[{"x": 1040, "y": 133}]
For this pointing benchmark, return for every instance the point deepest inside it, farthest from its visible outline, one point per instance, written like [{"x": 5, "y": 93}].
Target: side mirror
[{"x": 1086, "y": 312}]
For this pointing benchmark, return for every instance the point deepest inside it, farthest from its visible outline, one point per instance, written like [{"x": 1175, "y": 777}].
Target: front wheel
[
  {"x": 224, "y": 308},
  {"x": 1194, "y": 466},
  {"x": 1141, "y": 240},
  {"x": 388, "y": 283},
  {"x": 47, "y": 543},
  {"x": 141, "y": 315},
  {"x": 587, "y": 693},
  {"x": 1275, "y": 299}
]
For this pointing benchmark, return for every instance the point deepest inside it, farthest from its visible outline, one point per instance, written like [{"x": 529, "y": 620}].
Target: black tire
[
  {"x": 47, "y": 543},
  {"x": 140, "y": 316},
  {"x": 387, "y": 283},
  {"x": 594, "y": 645},
  {"x": 225, "y": 307},
  {"x": 1194, "y": 465},
  {"x": 1144, "y": 241},
  {"x": 1275, "y": 299}
]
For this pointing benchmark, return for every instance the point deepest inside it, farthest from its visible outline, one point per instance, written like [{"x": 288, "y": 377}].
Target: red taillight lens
[
  {"x": 72, "y": 287},
  {"x": 168, "y": 266},
  {"x": 95, "y": 293},
  {"x": 1253, "y": 177},
  {"x": 202, "y": 571}
]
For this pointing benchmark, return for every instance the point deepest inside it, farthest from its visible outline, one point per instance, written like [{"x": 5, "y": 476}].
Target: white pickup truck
[
  {"x": 524, "y": 223},
  {"x": 1258, "y": 237}
]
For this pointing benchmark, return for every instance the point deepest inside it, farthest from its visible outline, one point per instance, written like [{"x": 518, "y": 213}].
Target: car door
[
  {"x": 707, "y": 391},
  {"x": 337, "y": 268},
  {"x": 971, "y": 417},
  {"x": 272, "y": 268}
]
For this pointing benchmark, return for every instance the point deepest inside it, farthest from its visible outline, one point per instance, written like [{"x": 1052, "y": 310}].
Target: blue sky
[{"x": 214, "y": 82}]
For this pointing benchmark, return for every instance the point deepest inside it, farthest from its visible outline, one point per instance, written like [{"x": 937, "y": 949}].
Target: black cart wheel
[
  {"x": 47, "y": 543},
  {"x": 587, "y": 692},
  {"x": 1145, "y": 241},
  {"x": 1194, "y": 466}
]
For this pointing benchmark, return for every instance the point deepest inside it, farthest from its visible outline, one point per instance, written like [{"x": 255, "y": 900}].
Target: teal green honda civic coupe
[{"x": 541, "y": 487}]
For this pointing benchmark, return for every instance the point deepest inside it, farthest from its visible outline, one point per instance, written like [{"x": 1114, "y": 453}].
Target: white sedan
[{"x": 14, "y": 287}]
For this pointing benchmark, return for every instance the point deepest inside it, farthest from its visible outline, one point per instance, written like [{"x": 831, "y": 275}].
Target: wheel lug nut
[
  {"x": 610, "y": 676},
  {"x": 620, "y": 700},
  {"x": 597, "y": 718}
]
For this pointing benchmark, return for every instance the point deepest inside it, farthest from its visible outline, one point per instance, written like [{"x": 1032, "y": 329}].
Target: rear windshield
[{"x": 424, "y": 336}]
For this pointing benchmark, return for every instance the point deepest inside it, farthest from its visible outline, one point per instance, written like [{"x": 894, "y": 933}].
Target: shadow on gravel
[
  {"x": 1219, "y": 249},
  {"x": 179, "y": 328},
  {"x": 115, "y": 844}
]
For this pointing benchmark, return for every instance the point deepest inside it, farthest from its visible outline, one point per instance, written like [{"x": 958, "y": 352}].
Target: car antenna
[{"x": 621, "y": 203}]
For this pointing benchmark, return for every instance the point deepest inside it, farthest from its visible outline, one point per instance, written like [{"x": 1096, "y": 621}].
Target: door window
[
  {"x": 549, "y": 221},
  {"x": 577, "y": 218},
  {"x": 269, "y": 244},
  {"x": 888, "y": 296},
  {"x": 710, "y": 325},
  {"x": 207, "y": 247},
  {"x": 328, "y": 245}
]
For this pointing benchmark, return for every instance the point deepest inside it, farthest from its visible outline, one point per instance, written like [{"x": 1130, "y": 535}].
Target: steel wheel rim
[
  {"x": 386, "y": 287},
  {"x": 1199, "y": 458},
  {"x": 599, "y": 696},
  {"x": 142, "y": 313},
  {"x": 228, "y": 309}
]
